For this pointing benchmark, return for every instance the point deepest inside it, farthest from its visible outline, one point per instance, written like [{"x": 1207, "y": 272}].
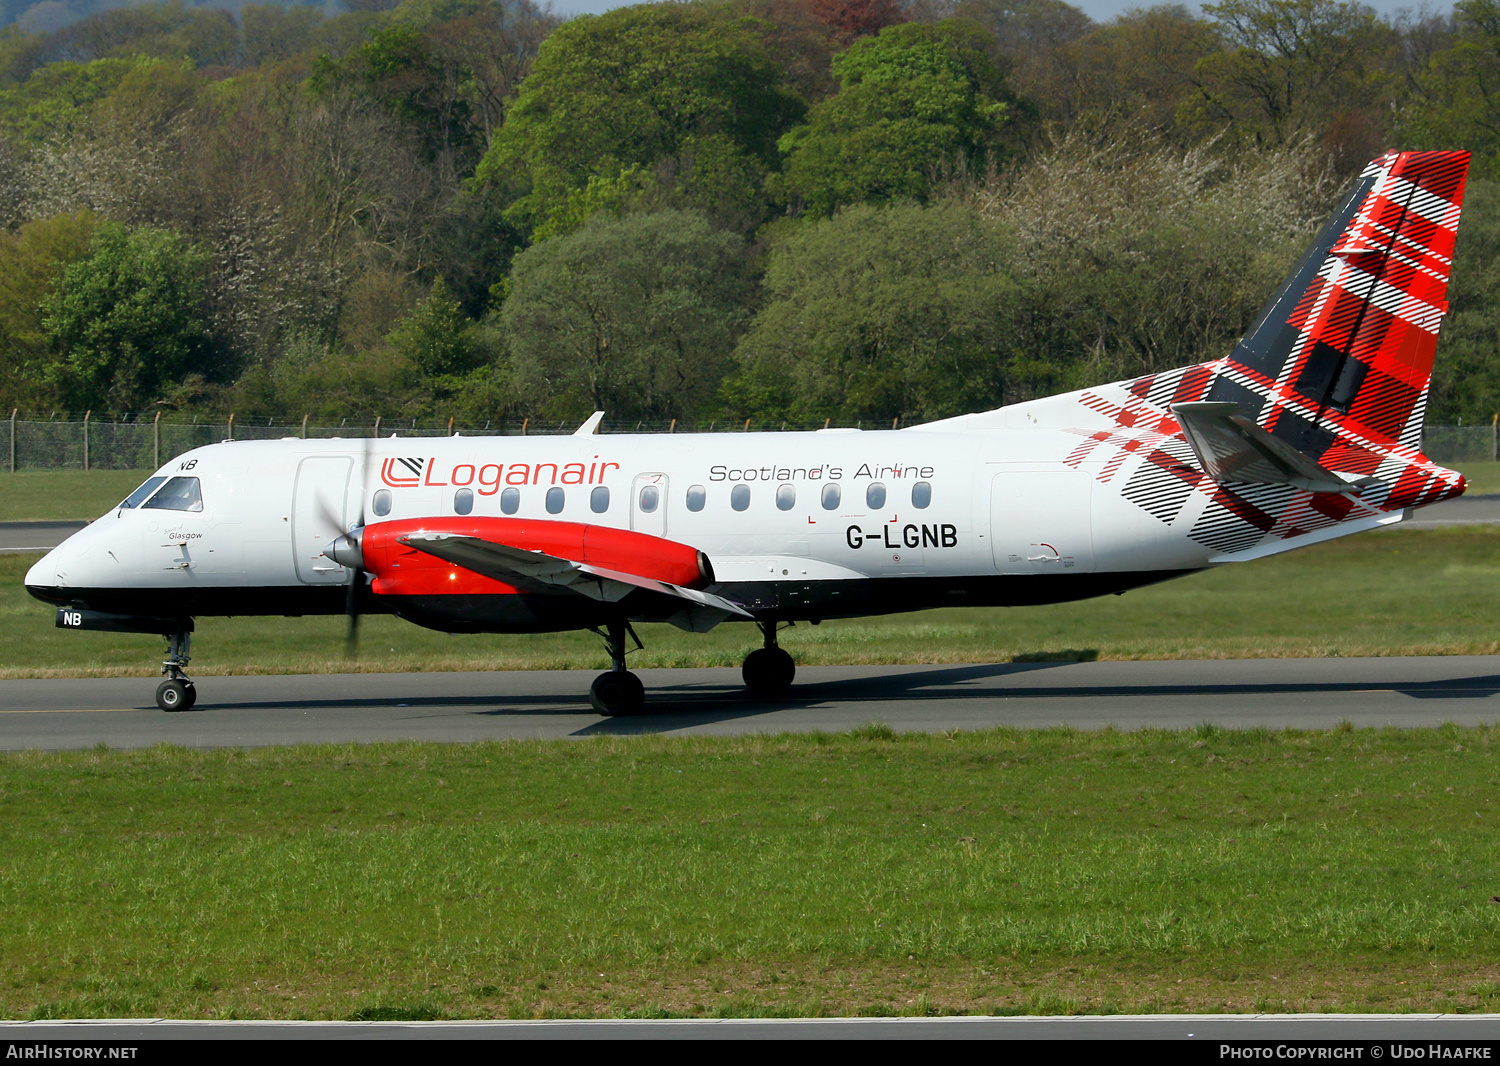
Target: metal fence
[
  {"x": 101, "y": 444},
  {"x": 1452, "y": 445},
  {"x": 63, "y": 443}
]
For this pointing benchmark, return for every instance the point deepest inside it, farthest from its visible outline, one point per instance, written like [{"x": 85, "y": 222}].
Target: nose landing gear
[
  {"x": 768, "y": 671},
  {"x": 177, "y": 693},
  {"x": 618, "y": 692}
]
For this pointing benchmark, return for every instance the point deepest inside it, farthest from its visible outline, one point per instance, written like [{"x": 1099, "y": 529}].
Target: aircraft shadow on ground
[{"x": 670, "y": 707}]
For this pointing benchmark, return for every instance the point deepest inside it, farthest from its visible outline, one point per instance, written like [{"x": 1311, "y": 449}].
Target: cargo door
[{"x": 1040, "y": 521}]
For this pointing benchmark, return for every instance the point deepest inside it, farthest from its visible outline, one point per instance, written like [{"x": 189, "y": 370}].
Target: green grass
[
  {"x": 1483, "y": 478},
  {"x": 864, "y": 873},
  {"x": 1387, "y": 593},
  {"x": 64, "y": 495}
]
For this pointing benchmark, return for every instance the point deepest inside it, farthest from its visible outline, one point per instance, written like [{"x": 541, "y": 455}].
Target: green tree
[
  {"x": 1453, "y": 98},
  {"x": 31, "y": 261},
  {"x": 1141, "y": 65},
  {"x": 435, "y": 337},
  {"x": 124, "y": 322},
  {"x": 915, "y": 100},
  {"x": 1140, "y": 256},
  {"x": 56, "y": 99},
  {"x": 1294, "y": 67},
  {"x": 1466, "y": 372},
  {"x": 400, "y": 68},
  {"x": 680, "y": 89},
  {"x": 877, "y": 314},
  {"x": 635, "y": 316}
]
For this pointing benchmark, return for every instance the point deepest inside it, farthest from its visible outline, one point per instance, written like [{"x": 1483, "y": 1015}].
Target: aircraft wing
[
  {"x": 536, "y": 571},
  {"x": 1231, "y": 447}
]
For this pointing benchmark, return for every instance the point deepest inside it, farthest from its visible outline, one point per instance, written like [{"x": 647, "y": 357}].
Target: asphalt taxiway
[
  {"x": 26, "y": 538},
  {"x": 461, "y": 707}
]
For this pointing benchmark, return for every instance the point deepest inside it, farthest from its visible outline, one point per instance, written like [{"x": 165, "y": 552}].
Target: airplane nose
[{"x": 43, "y": 571}]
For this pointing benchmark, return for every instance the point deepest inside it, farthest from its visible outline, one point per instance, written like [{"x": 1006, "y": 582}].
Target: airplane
[{"x": 1309, "y": 429}]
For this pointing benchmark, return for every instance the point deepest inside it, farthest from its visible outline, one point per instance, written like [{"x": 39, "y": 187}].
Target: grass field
[
  {"x": 1399, "y": 592},
  {"x": 867, "y": 873},
  {"x": 64, "y": 495}
]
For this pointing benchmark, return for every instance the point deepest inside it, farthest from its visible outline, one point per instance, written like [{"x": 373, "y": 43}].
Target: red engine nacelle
[{"x": 401, "y": 570}]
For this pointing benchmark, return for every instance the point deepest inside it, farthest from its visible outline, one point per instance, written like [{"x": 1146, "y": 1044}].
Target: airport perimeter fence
[
  {"x": 71, "y": 443},
  {"x": 64, "y": 442}
]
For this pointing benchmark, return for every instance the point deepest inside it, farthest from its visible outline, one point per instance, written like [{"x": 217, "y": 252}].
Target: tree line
[{"x": 769, "y": 209}]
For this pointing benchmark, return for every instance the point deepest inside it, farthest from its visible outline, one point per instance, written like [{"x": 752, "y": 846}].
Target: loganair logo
[
  {"x": 489, "y": 477},
  {"x": 402, "y": 472}
]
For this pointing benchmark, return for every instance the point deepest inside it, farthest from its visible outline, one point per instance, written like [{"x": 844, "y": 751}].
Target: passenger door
[{"x": 320, "y": 513}]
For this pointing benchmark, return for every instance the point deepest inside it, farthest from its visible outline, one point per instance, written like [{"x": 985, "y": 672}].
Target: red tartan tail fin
[{"x": 1339, "y": 363}]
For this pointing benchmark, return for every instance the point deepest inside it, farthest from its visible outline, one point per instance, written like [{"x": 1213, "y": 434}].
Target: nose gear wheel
[{"x": 177, "y": 693}]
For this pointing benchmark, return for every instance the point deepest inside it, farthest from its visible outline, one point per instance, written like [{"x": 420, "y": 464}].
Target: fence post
[
  {"x": 86, "y": 438},
  {"x": 377, "y": 425},
  {"x": 523, "y": 426},
  {"x": 673, "y": 427},
  {"x": 450, "y": 427},
  {"x": 231, "y": 425},
  {"x": 1494, "y": 439},
  {"x": 13, "y": 440},
  {"x": 156, "y": 441},
  {"x": 304, "y": 424}
]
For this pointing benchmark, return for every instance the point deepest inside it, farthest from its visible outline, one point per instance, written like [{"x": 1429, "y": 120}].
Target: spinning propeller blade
[{"x": 356, "y": 573}]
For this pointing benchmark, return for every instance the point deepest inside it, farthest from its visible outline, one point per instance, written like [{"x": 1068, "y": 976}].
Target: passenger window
[
  {"x": 178, "y": 494},
  {"x": 650, "y": 497},
  {"x": 831, "y": 496},
  {"x": 695, "y": 497},
  {"x": 921, "y": 495},
  {"x": 555, "y": 497},
  {"x": 599, "y": 499},
  {"x": 875, "y": 496},
  {"x": 135, "y": 498},
  {"x": 510, "y": 501},
  {"x": 739, "y": 497},
  {"x": 381, "y": 503},
  {"x": 786, "y": 497},
  {"x": 463, "y": 501}
]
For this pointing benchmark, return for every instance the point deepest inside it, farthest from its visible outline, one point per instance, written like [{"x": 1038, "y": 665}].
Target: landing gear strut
[
  {"x": 768, "y": 671},
  {"x": 619, "y": 691},
  {"x": 177, "y": 693}
]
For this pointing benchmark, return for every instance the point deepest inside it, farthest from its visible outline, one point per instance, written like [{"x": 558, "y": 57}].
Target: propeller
[{"x": 346, "y": 550}]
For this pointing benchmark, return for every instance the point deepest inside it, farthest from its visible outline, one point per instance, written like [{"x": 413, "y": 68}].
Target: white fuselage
[{"x": 823, "y": 512}]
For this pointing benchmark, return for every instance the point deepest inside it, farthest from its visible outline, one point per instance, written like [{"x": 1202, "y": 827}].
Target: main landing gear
[
  {"x": 619, "y": 691},
  {"x": 768, "y": 671},
  {"x": 177, "y": 693}
]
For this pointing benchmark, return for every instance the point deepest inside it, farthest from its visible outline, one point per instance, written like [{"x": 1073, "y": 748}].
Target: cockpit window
[
  {"x": 135, "y": 498},
  {"x": 179, "y": 494}
]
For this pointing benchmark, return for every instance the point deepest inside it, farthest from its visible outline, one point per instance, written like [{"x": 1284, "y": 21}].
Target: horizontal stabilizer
[
  {"x": 1231, "y": 447},
  {"x": 536, "y": 571}
]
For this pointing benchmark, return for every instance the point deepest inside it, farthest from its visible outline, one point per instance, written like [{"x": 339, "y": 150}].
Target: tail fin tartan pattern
[{"x": 1338, "y": 365}]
